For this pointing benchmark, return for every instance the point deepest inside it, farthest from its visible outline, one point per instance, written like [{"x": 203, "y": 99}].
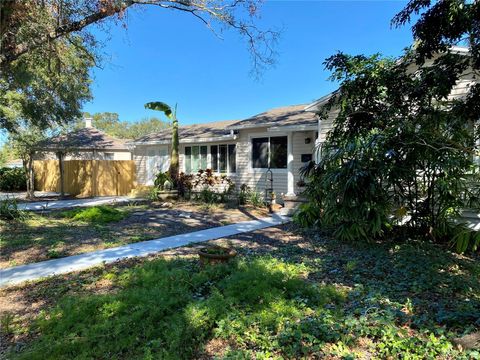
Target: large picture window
[
  {"x": 270, "y": 152},
  {"x": 223, "y": 158},
  {"x": 195, "y": 158}
]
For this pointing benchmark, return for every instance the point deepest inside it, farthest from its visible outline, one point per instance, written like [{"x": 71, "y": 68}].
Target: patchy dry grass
[
  {"x": 43, "y": 236},
  {"x": 290, "y": 295}
]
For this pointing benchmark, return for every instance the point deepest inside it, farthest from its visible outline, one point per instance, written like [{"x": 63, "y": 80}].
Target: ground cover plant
[
  {"x": 290, "y": 295},
  {"x": 35, "y": 236},
  {"x": 95, "y": 214}
]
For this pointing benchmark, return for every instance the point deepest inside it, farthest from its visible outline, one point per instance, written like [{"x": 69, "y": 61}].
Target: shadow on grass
[
  {"x": 313, "y": 297},
  {"x": 172, "y": 309}
]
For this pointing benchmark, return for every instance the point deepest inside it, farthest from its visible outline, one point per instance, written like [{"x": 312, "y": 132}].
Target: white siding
[
  {"x": 299, "y": 148},
  {"x": 141, "y": 156},
  {"x": 254, "y": 178}
]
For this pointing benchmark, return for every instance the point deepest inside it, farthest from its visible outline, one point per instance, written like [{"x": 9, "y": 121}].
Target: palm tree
[{"x": 172, "y": 115}]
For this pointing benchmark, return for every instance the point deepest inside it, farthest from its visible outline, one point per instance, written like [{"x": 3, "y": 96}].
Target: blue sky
[{"x": 172, "y": 57}]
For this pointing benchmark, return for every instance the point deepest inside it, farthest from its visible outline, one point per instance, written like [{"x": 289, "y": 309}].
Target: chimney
[{"x": 88, "y": 122}]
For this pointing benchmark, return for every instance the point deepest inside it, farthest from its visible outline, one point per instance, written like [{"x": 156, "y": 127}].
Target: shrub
[
  {"x": 96, "y": 214},
  {"x": 9, "y": 210},
  {"x": 397, "y": 155},
  {"x": 160, "y": 180},
  {"x": 13, "y": 179},
  {"x": 207, "y": 186},
  {"x": 249, "y": 196}
]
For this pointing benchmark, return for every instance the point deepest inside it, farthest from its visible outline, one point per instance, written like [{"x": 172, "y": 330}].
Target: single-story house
[
  {"x": 87, "y": 143},
  {"x": 281, "y": 139},
  {"x": 84, "y": 162}
]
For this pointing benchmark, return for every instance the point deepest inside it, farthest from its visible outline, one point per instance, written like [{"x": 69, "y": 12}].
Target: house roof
[
  {"x": 189, "y": 133},
  {"x": 293, "y": 115},
  {"x": 87, "y": 138}
]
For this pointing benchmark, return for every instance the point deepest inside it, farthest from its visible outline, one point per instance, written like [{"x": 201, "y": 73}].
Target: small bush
[
  {"x": 13, "y": 179},
  {"x": 249, "y": 196},
  {"x": 9, "y": 210},
  {"x": 160, "y": 180},
  {"x": 95, "y": 214},
  {"x": 256, "y": 199}
]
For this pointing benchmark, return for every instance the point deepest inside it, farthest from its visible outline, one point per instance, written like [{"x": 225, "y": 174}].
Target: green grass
[
  {"x": 168, "y": 309},
  {"x": 96, "y": 214},
  {"x": 327, "y": 300}
]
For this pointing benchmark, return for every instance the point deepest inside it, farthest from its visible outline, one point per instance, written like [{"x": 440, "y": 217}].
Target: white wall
[{"x": 254, "y": 178}]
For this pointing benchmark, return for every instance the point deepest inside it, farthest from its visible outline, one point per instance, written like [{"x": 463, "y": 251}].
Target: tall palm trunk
[{"x": 174, "y": 165}]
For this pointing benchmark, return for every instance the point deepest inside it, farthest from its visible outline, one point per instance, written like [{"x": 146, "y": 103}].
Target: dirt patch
[
  {"x": 21, "y": 304},
  {"x": 48, "y": 236}
]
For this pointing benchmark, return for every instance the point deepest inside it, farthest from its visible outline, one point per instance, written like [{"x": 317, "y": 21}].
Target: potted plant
[{"x": 215, "y": 254}]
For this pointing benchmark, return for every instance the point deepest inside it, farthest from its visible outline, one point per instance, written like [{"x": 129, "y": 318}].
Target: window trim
[
  {"x": 110, "y": 154},
  {"x": 253, "y": 170}
]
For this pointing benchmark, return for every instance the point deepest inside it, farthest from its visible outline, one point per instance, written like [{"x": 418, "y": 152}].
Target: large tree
[
  {"x": 439, "y": 26},
  {"x": 110, "y": 123},
  {"x": 38, "y": 31}
]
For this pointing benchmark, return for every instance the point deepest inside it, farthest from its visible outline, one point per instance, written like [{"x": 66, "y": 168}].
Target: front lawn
[
  {"x": 289, "y": 295},
  {"x": 44, "y": 236}
]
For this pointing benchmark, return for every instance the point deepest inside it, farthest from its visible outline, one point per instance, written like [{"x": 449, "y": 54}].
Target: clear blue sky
[{"x": 172, "y": 57}]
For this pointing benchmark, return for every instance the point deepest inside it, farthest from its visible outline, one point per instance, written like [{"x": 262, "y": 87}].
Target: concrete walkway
[
  {"x": 22, "y": 195},
  {"x": 63, "y": 204},
  {"x": 18, "y": 274}
]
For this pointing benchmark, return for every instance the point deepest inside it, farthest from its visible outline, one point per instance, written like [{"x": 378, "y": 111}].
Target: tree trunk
[
  {"x": 174, "y": 153},
  {"x": 30, "y": 178},
  {"x": 62, "y": 180}
]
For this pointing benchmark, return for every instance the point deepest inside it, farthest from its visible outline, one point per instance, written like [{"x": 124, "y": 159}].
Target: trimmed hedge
[{"x": 13, "y": 179}]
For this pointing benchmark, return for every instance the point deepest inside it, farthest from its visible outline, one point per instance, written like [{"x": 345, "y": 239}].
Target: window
[
  {"x": 214, "y": 157},
  {"x": 223, "y": 158},
  {"x": 270, "y": 152},
  {"x": 232, "y": 158},
  {"x": 195, "y": 158},
  {"x": 108, "y": 156}
]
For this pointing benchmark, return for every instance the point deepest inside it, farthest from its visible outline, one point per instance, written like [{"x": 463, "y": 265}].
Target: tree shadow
[{"x": 173, "y": 308}]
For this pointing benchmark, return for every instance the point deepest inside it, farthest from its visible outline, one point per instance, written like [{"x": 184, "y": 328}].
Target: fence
[{"x": 84, "y": 178}]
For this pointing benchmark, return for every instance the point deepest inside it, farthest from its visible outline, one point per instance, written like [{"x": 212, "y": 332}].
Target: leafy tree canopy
[{"x": 110, "y": 123}]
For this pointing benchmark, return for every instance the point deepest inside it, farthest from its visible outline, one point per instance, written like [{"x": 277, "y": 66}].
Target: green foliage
[
  {"x": 167, "y": 309},
  {"x": 270, "y": 307},
  {"x": 96, "y": 214},
  {"x": 111, "y": 124},
  {"x": 307, "y": 215},
  {"x": 160, "y": 106},
  {"x": 396, "y": 154},
  {"x": 13, "y": 179},
  {"x": 249, "y": 196},
  {"x": 9, "y": 210},
  {"x": 172, "y": 115},
  {"x": 463, "y": 238},
  {"x": 160, "y": 180},
  {"x": 46, "y": 86}
]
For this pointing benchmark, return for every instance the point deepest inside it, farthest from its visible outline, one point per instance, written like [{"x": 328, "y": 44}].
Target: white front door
[{"x": 157, "y": 161}]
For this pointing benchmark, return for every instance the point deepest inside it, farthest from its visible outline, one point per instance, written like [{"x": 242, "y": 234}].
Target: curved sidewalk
[{"x": 18, "y": 274}]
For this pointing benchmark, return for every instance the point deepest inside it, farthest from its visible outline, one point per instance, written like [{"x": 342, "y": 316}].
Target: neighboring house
[
  {"x": 86, "y": 143},
  {"x": 281, "y": 139},
  {"x": 460, "y": 91}
]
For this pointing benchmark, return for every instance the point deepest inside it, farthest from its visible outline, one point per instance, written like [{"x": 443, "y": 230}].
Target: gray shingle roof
[
  {"x": 189, "y": 132},
  {"x": 283, "y": 116},
  {"x": 83, "y": 139}
]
